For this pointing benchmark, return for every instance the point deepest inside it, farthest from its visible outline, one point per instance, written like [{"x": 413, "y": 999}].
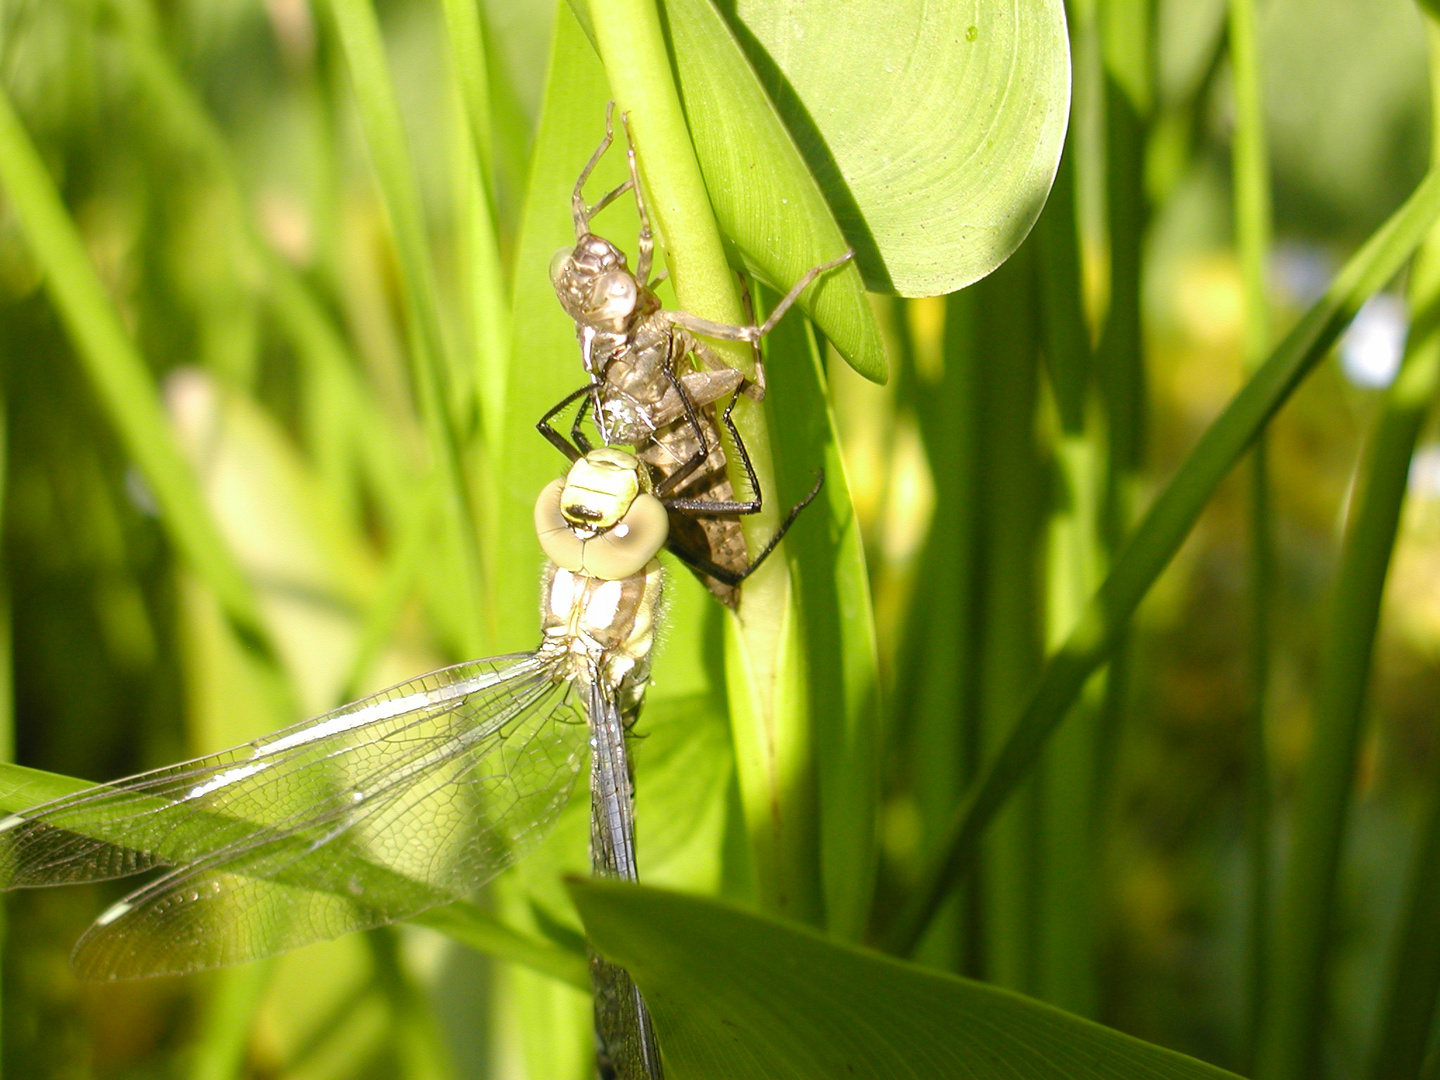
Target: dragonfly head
[
  {"x": 599, "y": 519},
  {"x": 594, "y": 284}
]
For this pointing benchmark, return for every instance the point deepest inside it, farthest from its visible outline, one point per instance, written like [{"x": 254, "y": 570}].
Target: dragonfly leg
[
  {"x": 577, "y": 436},
  {"x": 646, "y": 241},
  {"x": 702, "y": 453},
  {"x": 726, "y": 332},
  {"x": 579, "y": 211},
  {"x": 734, "y": 577},
  {"x": 573, "y": 452},
  {"x": 734, "y": 507}
]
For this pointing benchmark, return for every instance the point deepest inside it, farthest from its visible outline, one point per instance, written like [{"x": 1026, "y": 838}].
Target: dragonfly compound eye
[
  {"x": 610, "y": 553},
  {"x": 613, "y": 296},
  {"x": 557, "y": 539},
  {"x": 626, "y": 548}
]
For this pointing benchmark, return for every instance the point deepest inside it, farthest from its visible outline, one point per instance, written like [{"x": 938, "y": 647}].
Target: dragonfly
[
  {"x": 655, "y": 385},
  {"x": 403, "y": 800}
]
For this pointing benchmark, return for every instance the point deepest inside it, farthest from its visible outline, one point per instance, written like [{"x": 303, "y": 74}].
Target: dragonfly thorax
[{"x": 602, "y": 628}]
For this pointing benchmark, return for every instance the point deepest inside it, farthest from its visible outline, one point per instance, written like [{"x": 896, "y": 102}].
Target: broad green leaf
[
  {"x": 764, "y": 199},
  {"x": 736, "y": 995},
  {"x": 933, "y": 129},
  {"x": 762, "y": 192}
]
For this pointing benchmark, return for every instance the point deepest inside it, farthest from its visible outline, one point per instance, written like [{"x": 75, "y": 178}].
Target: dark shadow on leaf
[{"x": 816, "y": 152}]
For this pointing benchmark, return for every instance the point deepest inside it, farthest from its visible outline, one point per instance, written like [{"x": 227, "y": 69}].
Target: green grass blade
[
  {"x": 1076, "y": 560},
  {"x": 119, "y": 374},
  {"x": 1414, "y": 987},
  {"x": 434, "y": 376},
  {"x": 1293, "y": 1021},
  {"x": 1251, "y": 182},
  {"x": 1158, "y": 537},
  {"x": 222, "y": 1041},
  {"x": 839, "y": 626}
]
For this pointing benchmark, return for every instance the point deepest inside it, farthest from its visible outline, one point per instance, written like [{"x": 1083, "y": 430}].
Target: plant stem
[
  {"x": 764, "y": 644},
  {"x": 1294, "y": 1014},
  {"x": 1251, "y": 181}
]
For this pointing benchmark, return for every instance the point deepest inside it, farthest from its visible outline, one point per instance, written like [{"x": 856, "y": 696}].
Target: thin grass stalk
[
  {"x": 435, "y": 376},
  {"x": 1127, "y": 46},
  {"x": 329, "y": 367},
  {"x": 1293, "y": 1023},
  {"x": 1414, "y": 986},
  {"x": 1293, "y": 1020},
  {"x": 764, "y": 646},
  {"x": 120, "y": 377},
  {"x": 419, "y": 1045},
  {"x": 1251, "y": 181},
  {"x": 487, "y": 303},
  {"x": 1076, "y": 558},
  {"x": 222, "y": 1042},
  {"x": 937, "y": 684},
  {"x": 1155, "y": 541},
  {"x": 1012, "y": 498}
]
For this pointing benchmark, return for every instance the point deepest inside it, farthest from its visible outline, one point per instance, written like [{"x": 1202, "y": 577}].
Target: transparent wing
[{"x": 400, "y": 801}]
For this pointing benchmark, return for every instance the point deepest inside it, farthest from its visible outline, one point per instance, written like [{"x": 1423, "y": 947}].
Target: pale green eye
[
  {"x": 625, "y": 549},
  {"x": 560, "y": 544}
]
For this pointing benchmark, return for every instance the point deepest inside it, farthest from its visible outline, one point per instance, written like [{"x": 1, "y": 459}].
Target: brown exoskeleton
[{"x": 656, "y": 386}]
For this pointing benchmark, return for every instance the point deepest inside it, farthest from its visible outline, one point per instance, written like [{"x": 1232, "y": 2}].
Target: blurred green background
[{"x": 211, "y": 155}]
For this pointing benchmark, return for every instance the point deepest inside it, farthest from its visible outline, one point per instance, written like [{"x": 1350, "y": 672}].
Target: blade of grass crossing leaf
[
  {"x": 118, "y": 373},
  {"x": 1293, "y": 1020},
  {"x": 834, "y": 593},
  {"x": 435, "y": 377},
  {"x": 764, "y": 645},
  {"x": 1159, "y": 535},
  {"x": 1251, "y": 181}
]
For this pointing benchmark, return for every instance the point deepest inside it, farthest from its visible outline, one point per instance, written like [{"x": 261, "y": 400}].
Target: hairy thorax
[{"x": 605, "y": 628}]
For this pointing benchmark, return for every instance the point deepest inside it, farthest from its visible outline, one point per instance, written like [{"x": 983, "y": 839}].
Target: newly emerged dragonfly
[
  {"x": 403, "y": 800},
  {"x": 656, "y": 386}
]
